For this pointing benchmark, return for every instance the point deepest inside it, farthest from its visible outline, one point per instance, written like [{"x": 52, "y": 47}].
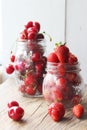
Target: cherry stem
[{"x": 48, "y": 36}]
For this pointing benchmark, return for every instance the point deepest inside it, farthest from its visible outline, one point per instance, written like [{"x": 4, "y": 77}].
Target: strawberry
[
  {"x": 76, "y": 99},
  {"x": 61, "y": 82},
  {"x": 62, "y": 53},
  {"x": 52, "y": 57},
  {"x": 57, "y": 94},
  {"x": 72, "y": 58},
  {"x": 70, "y": 76},
  {"x": 61, "y": 69},
  {"x": 78, "y": 110},
  {"x": 56, "y": 111}
]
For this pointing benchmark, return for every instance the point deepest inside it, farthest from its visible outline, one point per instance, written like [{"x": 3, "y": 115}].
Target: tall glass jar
[
  {"x": 63, "y": 83},
  {"x": 30, "y": 64}
]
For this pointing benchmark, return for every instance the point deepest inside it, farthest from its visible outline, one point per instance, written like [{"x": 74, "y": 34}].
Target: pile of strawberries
[
  {"x": 62, "y": 54},
  {"x": 57, "y": 111},
  {"x": 63, "y": 82}
]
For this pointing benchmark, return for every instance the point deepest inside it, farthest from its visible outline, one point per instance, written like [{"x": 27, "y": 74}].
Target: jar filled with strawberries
[
  {"x": 63, "y": 81},
  {"x": 29, "y": 61}
]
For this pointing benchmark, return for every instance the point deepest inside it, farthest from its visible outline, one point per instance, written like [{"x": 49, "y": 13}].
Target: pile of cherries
[{"x": 30, "y": 69}]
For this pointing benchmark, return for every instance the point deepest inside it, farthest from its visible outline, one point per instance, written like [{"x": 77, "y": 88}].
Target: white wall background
[
  {"x": 16, "y": 13},
  {"x": 77, "y": 31},
  {"x": 51, "y": 15}
]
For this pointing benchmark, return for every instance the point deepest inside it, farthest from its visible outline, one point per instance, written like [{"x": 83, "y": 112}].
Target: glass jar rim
[{"x": 67, "y": 66}]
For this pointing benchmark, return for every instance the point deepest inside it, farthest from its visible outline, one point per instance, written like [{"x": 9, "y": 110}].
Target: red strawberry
[
  {"x": 57, "y": 94},
  {"x": 61, "y": 82},
  {"x": 76, "y": 99},
  {"x": 56, "y": 111},
  {"x": 62, "y": 53},
  {"x": 70, "y": 76},
  {"x": 52, "y": 57},
  {"x": 78, "y": 110},
  {"x": 61, "y": 69},
  {"x": 72, "y": 59}
]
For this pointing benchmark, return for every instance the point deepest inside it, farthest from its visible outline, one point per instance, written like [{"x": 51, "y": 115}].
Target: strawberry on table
[
  {"x": 56, "y": 111},
  {"x": 78, "y": 110}
]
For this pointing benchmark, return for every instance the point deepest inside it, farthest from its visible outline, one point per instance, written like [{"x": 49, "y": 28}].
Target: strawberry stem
[{"x": 59, "y": 44}]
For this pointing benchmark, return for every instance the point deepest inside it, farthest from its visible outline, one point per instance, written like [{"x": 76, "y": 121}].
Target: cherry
[
  {"x": 23, "y": 34},
  {"x": 36, "y": 56},
  {"x": 40, "y": 88},
  {"x": 29, "y": 24},
  {"x": 10, "y": 69},
  {"x": 38, "y": 67},
  {"x": 40, "y": 36},
  {"x": 12, "y": 58},
  {"x": 16, "y": 113},
  {"x": 30, "y": 80},
  {"x": 32, "y": 35},
  {"x": 12, "y": 103},
  {"x": 37, "y": 25},
  {"x": 20, "y": 66},
  {"x": 30, "y": 90},
  {"x": 32, "y": 29}
]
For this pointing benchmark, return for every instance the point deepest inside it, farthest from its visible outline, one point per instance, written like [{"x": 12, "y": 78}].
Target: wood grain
[{"x": 35, "y": 117}]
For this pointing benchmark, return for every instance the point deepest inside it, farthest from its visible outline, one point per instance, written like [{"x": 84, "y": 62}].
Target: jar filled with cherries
[
  {"x": 63, "y": 81},
  {"x": 29, "y": 61}
]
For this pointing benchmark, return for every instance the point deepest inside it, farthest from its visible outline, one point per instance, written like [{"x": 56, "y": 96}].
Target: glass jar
[
  {"x": 63, "y": 83},
  {"x": 30, "y": 64}
]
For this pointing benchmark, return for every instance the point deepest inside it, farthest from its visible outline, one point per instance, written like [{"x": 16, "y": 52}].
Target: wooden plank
[{"x": 35, "y": 117}]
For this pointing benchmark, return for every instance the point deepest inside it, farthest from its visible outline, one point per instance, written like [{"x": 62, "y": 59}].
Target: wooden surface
[{"x": 35, "y": 117}]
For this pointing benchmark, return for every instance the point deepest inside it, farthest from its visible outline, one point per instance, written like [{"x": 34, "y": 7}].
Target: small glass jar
[
  {"x": 30, "y": 64},
  {"x": 63, "y": 83}
]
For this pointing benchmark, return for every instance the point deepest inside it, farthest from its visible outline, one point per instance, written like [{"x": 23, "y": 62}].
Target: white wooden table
[{"x": 36, "y": 116}]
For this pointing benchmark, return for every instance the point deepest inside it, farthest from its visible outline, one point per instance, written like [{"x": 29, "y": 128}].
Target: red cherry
[
  {"x": 39, "y": 67},
  {"x": 40, "y": 36},
  {"x": 10, "y": 69},
  {"x": 22, "y": 88},
  {"x": 39, "y": 87},
  {"x": 37, "y": 25},
  {"x": 23, "y": 34},
  {"x": 36, "y": 57},
  {"x": 29, "y": 24},
  {"x": 16, "y": 113},
  {"x": 32, "y": 29},
  {"x": 12, "y": 58},
  {"x": 30, "y": 90},
  {"x": 30, "y": 80},
  {"x": 32, "y": 35},
  {"x": 12, "y": 103}
]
